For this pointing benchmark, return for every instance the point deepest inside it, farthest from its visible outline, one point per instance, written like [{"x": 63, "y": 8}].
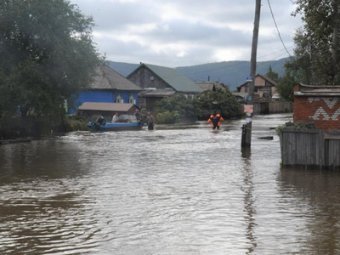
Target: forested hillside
[{"x": 231, "y": 73}]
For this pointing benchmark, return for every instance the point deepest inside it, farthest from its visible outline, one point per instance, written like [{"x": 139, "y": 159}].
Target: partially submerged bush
[
  {"x": 75, "y": 123},
  {"x": 167, "y": 117}
]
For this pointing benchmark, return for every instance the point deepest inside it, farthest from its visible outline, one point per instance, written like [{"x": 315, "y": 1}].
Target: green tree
[
  {"x": 217, "y": 101},
  {"x": 317, "y": 58},
  {"x": 285, "y": 87},
  {"x": 174, "y": 109},
  {"x": 272, "y": 75},
  {"x": 46, "y": 53}
]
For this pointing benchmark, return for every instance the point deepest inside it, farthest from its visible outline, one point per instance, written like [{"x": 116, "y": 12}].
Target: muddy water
[{"x": 167, "y": 191}]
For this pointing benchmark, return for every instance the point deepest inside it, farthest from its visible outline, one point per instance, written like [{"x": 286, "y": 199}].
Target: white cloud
[{"x": 188, "y": 32}]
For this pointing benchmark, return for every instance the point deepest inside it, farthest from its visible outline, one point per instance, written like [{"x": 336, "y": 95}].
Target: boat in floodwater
[
  {"x": 122, "y": 122},
  {"x": 115, "y": 126}
]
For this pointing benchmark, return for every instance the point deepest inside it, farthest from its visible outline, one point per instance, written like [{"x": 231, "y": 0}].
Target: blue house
[{"x": 108, "y": 86}]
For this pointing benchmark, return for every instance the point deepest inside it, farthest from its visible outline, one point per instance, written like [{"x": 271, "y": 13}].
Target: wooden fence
[
  {"x": 272, "y": 107},
  {"x": 280, "y": 107},
  {"x": 309, "y": 147}
]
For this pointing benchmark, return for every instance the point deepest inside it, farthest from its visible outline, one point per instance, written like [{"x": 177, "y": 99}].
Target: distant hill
[{"x": 231, "y": 73}]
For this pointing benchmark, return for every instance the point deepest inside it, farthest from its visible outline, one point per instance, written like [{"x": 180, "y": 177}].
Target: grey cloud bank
[{"x": 188, "y": 32}]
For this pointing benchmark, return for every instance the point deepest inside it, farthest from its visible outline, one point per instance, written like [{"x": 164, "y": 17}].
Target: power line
[{"x": 277, "y": 29}]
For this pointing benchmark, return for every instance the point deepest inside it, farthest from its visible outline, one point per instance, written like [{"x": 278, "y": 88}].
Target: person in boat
[
  {"x": 216, "y": 120},
  {"x": 100, "y": 120},
  {"x": 114, "y": 117}
]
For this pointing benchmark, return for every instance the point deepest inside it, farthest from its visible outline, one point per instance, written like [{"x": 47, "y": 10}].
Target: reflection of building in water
[
  {"x": 317, "y": 199},
  {"x": 43, "y": 158},
  {"x": 248, "y": 189}
]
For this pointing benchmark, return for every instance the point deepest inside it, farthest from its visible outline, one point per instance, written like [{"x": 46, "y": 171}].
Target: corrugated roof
[
  {"x": 176, "y": 80},
  {"x": 157, "y": 93},
  {"x": 210, "y": 85},
  {"x": 107, "y": 78},
  {"x": 111, "y": 107},
  {"x": 321, "y": 90}
]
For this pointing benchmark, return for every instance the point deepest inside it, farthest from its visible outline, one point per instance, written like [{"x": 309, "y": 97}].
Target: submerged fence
[
  {"x": 309, "y": 147},
  {"x": 272, "y": 107}
]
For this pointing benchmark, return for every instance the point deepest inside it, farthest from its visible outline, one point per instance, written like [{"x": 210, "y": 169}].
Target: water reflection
[
  {"x": 40, "y": 208},
  {"x": 42, "y": 158},
  {"x": 249, "y": 200},
  {"x": 319, "y": 192},
  {"x": 169, "y": 191}
]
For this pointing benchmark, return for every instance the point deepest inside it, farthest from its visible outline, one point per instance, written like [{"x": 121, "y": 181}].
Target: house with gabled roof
[
  {"x": 212, "y": 85},
  {"x": 158, "y": 82},
  {"x": 108, "y": 86},
  {"x": 264, "y": 88}
]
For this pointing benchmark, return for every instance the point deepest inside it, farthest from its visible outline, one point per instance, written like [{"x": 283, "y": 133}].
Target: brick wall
[{"x": 323, "y": 111}]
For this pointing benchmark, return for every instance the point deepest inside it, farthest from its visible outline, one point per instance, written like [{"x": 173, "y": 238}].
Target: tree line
[
  {"x": 316, "y": 59},
  {"x": 47, "y": 54}
]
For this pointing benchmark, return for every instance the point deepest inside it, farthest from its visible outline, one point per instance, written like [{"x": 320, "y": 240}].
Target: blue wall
[{"x": 101, "y": 96}]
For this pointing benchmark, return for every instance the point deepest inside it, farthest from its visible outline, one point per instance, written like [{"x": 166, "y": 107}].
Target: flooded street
[{"x": 167, "y": 191}]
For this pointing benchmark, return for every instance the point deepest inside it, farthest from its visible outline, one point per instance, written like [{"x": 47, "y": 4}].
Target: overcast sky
[{"x": 188, "y": 32}]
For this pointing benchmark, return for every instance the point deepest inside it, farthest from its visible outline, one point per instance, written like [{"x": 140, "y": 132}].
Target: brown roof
[
  {"x": 111, "y": 107},
  {"x": 107, "y": 78},
  {"x": 209, "y": 85},
  {"x": 273, "y": 83}
]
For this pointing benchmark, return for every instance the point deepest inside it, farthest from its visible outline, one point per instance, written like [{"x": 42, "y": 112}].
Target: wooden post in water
[{"x": 247, "y": 128}]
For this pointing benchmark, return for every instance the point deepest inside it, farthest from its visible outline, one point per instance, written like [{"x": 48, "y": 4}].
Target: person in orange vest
[{"x": 216, "y": 120}]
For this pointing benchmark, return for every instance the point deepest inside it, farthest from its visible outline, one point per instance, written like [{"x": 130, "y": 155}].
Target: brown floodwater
[{"x": 168, "y": 191}]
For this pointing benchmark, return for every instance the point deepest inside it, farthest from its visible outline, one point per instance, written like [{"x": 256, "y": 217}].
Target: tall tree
[
  {"x": 272, "y": 75},
  {"x": 317, "y": 58},
  {"x": 46, "y": 53}
]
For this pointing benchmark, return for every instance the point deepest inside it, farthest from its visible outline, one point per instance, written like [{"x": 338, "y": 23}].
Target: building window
[
  {"x": 119, "y": 99},
  {"x": 132, "y": 100}
]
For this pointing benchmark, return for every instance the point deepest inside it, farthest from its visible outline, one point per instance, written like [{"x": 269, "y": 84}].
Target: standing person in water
[
  {"x": 216, "y": 120},
  {"x": 150, "y": 121}
]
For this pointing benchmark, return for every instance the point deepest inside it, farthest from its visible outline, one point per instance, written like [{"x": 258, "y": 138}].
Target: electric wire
[{"x": 277, "y": 29}]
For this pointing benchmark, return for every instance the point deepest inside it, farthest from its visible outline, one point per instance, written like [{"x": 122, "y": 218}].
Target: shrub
[{"x": 167, "y": 117}]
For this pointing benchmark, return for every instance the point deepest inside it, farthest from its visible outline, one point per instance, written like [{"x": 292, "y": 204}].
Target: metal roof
[
  {"x": 157, "y": 93},
  {"x": 207, "y": 85},
  {"x": 317, "y": 90},
  {"x": 111, "y": 107},
  {"x": 107, "y": 78},
  {"x": 176, "y": 80}
]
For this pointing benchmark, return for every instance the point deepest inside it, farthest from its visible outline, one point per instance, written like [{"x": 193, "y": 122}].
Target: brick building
[{"x": 318, "y": 105}]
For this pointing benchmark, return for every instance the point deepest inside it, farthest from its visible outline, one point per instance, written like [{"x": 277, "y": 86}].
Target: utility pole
[{"x": 247, "y": 128}]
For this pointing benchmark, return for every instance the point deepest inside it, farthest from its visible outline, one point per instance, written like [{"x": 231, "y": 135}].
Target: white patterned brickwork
[
  {"x": 336, "y": 115},
  {"x": 320, "y": 112},
  {"x": 329, "y": 101}
]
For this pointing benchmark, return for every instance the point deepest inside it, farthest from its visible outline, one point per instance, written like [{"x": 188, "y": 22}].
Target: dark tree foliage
[
  {"x": 285, "y": 87},
  {"x": 177, "y": 108},
  {"x": 46, "y": 54},
  {"x": 272, "y": 75},
  {"x": 222, "y": 101},
  {"x": 317, "y": 58}
]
